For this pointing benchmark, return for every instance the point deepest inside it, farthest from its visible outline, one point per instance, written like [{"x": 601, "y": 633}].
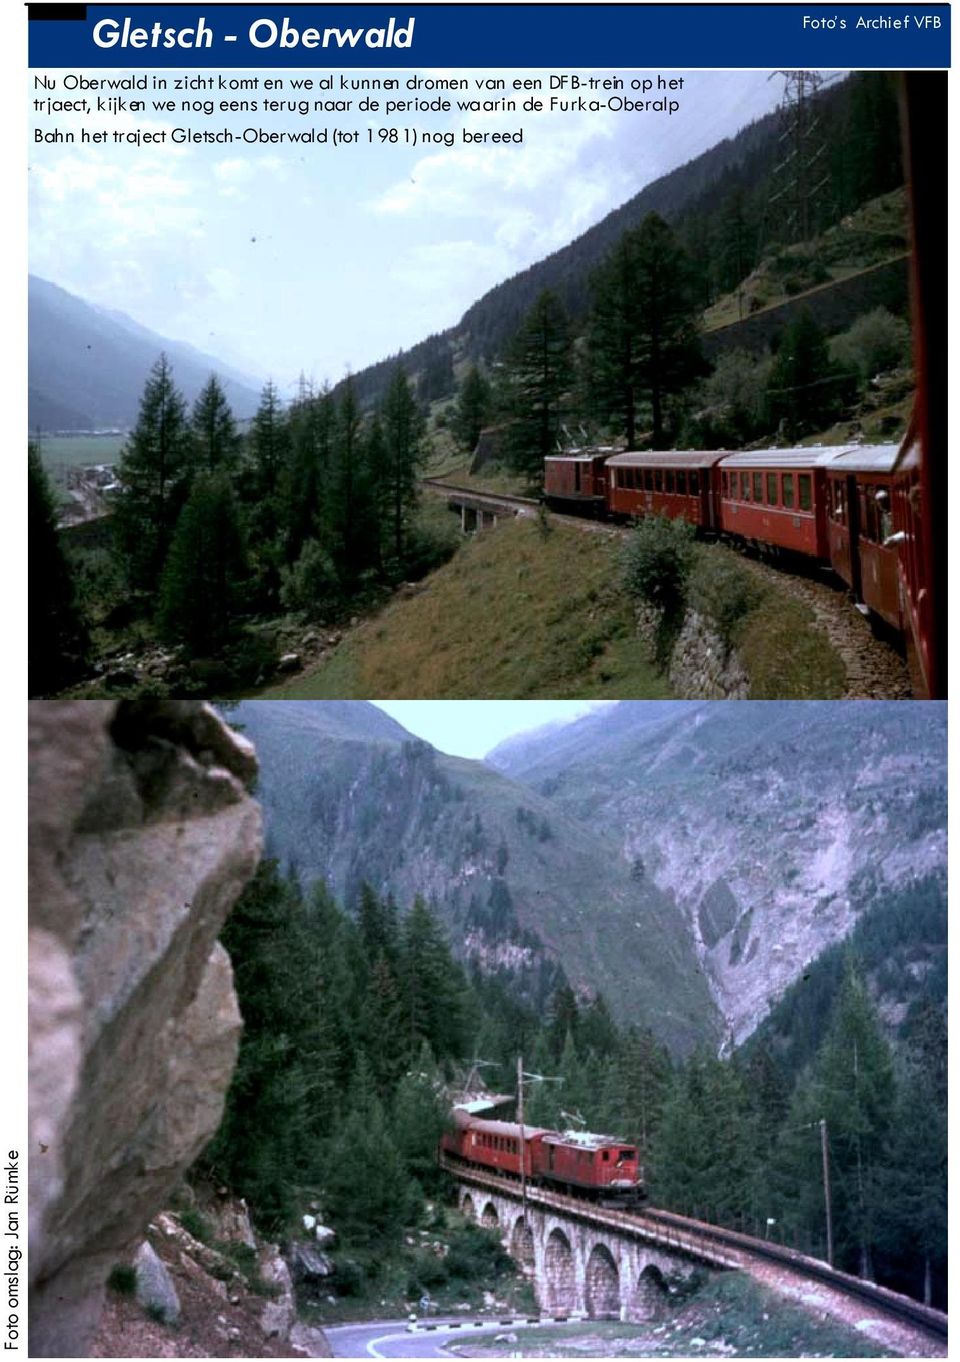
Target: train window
[
  {"x": 681, "y": 482},
  {"x": 773, "y": 498},
  {"x": 606, "y": 1156},
  {"x": 805, "y": 489},
  {"x": 758, "y": 487},
  {"x": 788, "y": 490},
  {"x": 839, "y": 508},
  {"x": 694, "y": 483},
  {"x": 613, "y": 479},
  {"x": 657, "y": 480},
  {"x": 626, "y": 1155},
  {"x": 744, "y": 486},
  {"x": 671, "y": 485},
  {"x": 884, "y": 518},
  {"x": 724, "y": 486}
]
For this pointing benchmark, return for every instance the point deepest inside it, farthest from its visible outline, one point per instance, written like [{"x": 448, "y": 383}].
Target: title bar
[{"x": 492, "y": 35}]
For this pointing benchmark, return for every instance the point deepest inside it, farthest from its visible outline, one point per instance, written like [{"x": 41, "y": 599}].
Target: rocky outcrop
[
  {"x": 155, "y": 1289},
  {"x": 142, "y": 836},
  {"x": 698, "y": 664}
]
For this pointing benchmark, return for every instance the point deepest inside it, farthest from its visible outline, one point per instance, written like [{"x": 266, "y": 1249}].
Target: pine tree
[
  {"x": 203, "y": 580},
  {"x": 431, "y": 986},
  {"x": 153, "y": 473},
  {"x": 402, "y": 433},
  {"x": 216, "y": 443},
  {"x": 418, "y": 1113},
  {"x": 58, "y": 639},
  {"x": 473, "y": 407},
  {"x": 260, "y": 487},
  {"x": 806, "y": 389},
  {"x": 535, "y": 382},
  {"x": 352, "y": 530},
  {"x": 851, "y": 1086},
  {"x": 366, "y": 1192},
  {"x": 642, "y": 343},
  {"x": 640, "y": 1077},
  {"x": 311, "y": 428},
  {"x": 283, "y": 1094}
]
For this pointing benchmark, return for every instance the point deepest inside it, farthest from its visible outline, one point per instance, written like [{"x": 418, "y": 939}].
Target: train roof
[
  {"x": 866, "y": 459},
  {"x": 813, "y": 457},
  {"x": 509, "y": 1129},
  {"x": 581, "y": 455},
  {"x": 584, "y": 1139},
  {"x": 667, "y": 458}
]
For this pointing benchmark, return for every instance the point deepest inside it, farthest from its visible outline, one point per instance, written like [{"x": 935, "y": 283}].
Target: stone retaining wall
[{"x": 700, "y": 666}]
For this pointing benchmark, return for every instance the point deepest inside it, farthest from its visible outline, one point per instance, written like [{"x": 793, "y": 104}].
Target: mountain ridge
[{"x": 87, "y": 365}]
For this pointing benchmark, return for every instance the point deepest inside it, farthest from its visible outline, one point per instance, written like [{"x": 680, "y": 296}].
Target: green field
[
  {"x": 521, "y": 611},
  {"x": 77, "y": 451}
]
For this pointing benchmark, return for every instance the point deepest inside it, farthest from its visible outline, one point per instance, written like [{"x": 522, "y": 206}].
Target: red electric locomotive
[{"x": 576, "y": 481}]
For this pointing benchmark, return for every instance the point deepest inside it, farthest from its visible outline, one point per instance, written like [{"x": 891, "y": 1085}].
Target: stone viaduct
[{"x": 584, "y": 1259}]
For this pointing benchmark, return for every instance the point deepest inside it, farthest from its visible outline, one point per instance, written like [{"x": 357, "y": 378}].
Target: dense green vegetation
[
  {"x": 314, "y": 510},
  {"x": 359, "y": 1026}
]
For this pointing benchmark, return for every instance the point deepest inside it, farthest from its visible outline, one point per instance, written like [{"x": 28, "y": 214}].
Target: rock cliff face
[
  {"x": 142, "y": 835},
  {"x": 773, "y": 826}
]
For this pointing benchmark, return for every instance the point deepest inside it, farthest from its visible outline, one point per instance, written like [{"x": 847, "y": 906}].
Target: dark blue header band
[{"x": 895, "y": 37}]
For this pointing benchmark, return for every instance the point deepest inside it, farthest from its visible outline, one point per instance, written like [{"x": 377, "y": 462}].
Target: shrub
[
  {"x": 349, "y": 1277},
  {"x": 657, "y": 561},
  {"x": 734, "y": 402},
  {"x": 876, "y": 341},
  {"x": 122, "y": 1279},
  {"x": 196, "y": 1224},
  {"x": 312, "y": 584},
  {"x": 429, "y": 545},
  {"x": 476, "y": 1253},
  {"x": 723, "y": 592}
]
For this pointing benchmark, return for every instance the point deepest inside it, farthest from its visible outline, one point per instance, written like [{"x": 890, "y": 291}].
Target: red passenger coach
[
  {"x": 913, "y": 524},
  {"x": 577, "y": 481},
  {"x": 493, "y": 1144},
  {"x": 777, "y": 497},
  {"x": 673, "y": 483},
  {"x": 860, "y": 528}
]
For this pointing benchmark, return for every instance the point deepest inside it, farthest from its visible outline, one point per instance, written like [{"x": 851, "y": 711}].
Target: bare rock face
[{"x": 142, "y": 836}]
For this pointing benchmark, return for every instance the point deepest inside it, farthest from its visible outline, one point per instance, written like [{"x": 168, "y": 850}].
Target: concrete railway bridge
[
  {"x": 583, "y": 1258},
  {"x": 479, "y": 510}
]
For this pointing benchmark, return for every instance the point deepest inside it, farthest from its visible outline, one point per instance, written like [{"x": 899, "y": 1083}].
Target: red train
[
  {"x": 854, "y": 508},
  {"x": 595, "y": 1166}
]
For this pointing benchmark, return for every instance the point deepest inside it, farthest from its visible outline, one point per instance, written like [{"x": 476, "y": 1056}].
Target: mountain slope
[
  {"x": 773, "y": 826},
  {"x": 87, "y": 366},
  {"x": 521, "y": 887}
]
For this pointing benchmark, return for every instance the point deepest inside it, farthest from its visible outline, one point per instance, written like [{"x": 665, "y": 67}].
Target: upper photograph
[{"x": 353, "y": 384}]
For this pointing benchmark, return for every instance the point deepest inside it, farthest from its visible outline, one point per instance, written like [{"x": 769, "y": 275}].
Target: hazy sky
[
  {"x": 315, "y": 258},
  {"x": 471, "y": 728}
]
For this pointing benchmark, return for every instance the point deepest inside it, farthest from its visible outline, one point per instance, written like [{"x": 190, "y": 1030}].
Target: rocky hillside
[
  {"x": 775, "y": 828},
  {"x": 142, "y": 836},
  {"x": 526, "y": 888}
]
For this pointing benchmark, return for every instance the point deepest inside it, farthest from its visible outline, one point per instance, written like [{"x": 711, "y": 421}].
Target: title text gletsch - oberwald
[{"x": 261, "y": 33}]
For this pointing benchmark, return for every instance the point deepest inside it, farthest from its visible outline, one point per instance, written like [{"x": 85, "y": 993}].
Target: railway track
[
  {"x": 874, "y": 669},
  {"x": 492, "y": 499},
  {"x": 917, "y": 1329}
]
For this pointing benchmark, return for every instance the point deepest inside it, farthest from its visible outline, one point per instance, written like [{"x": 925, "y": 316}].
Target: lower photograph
[{"x": 487, "y": 1029}]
